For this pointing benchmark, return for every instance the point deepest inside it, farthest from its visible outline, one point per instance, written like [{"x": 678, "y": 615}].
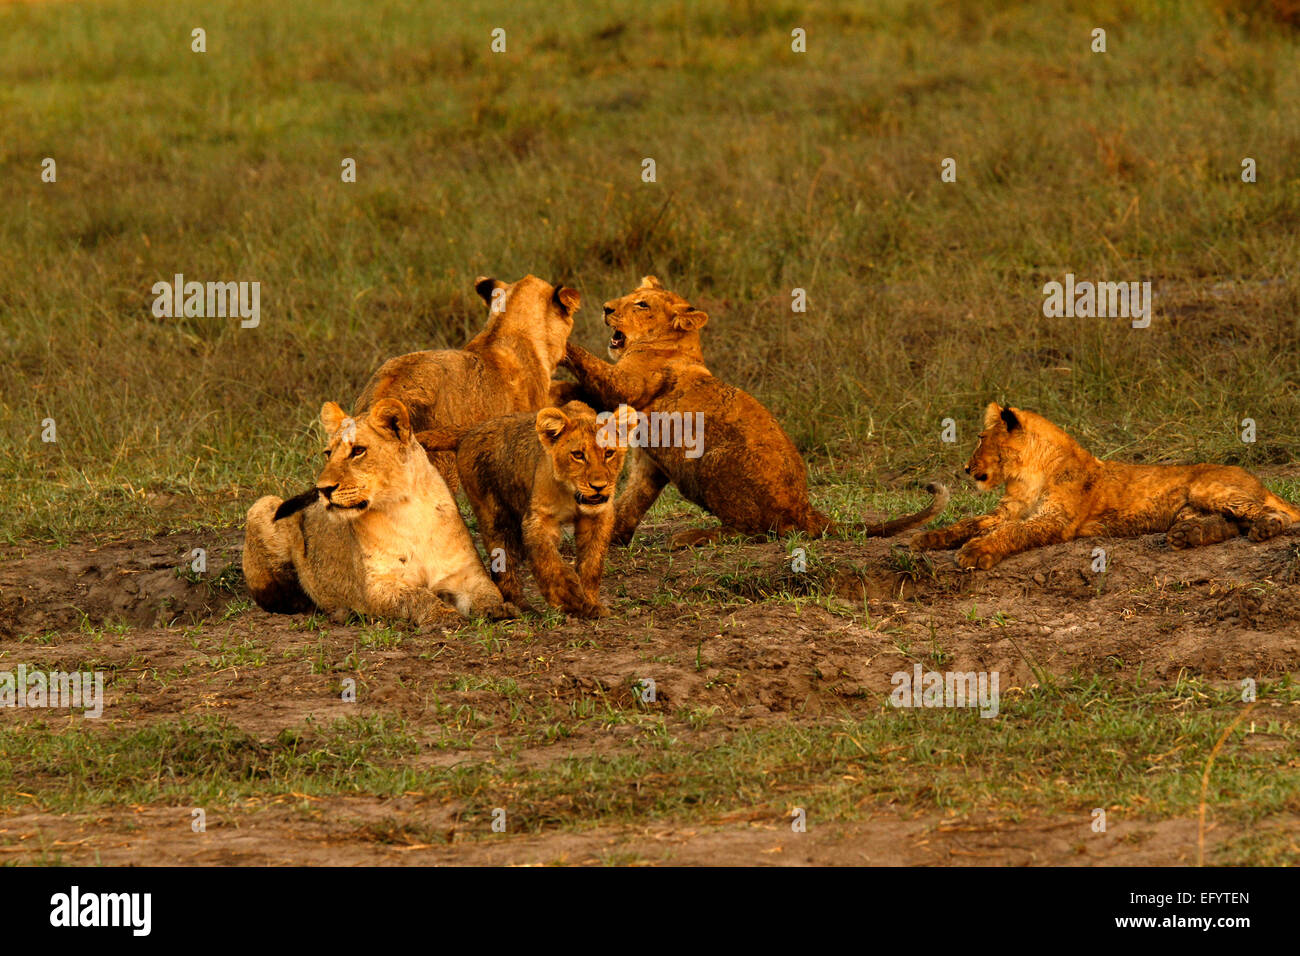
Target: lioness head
[
  {"x": 584, "y": 459},
  {"x": 1001, "y": 447},
  {"x": 650, "y": 313},
  {"x": 364, "y": 457},
  {"x": 531, "y": 309}
]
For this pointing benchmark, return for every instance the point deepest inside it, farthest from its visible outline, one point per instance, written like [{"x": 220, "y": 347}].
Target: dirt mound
[{"x": 140, "y": 583}]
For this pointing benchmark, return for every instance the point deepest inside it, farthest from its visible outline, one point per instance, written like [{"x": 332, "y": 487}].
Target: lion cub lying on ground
[
  {"x": 379, "y": 534},
  {"x": 1057, "y": 492},
  {"x": 505, "y": 368},
  {"x": 746, "y": 470},
  {"x": 530, "y": 476}
]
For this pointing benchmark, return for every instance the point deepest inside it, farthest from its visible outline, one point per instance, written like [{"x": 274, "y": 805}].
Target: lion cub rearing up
[
  {"x": 1057, "y": 492},
  {"x": 528, "y": 477},
  {"x": 748, "y": 472},
  {"x": 379, "y": 534}
]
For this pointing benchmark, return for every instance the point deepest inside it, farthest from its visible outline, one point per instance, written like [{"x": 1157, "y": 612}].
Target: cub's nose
[
  {"x": 327, "y": 490},
  {"x": 609, "y": 310},
  {"x": 968, "y": 469},
  {"x": 598, "y": 488}
]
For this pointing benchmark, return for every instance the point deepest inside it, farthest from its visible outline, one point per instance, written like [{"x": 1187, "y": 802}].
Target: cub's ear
[
  {"x": 1009, "y": 419},
  {"x": 485, "y": 286},
  {"x": 650, "y": 282},
  {"x": 551, "y": 423},
  {"x": 689, "y": 319},
  {"x": 331, "y": 416},
  {"x": 567, "y": 299},
  {"x": 992, "y": 414},
  {"x": 388, "y": 416}
]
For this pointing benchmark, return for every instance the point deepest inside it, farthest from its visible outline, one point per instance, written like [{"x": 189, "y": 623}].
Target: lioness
[
  {"x": 530, "y": 476},
  {"x": 379, "y": 534},
  {"x": 748, "y": 471},
  {"x": 505, "y": 368},
  {"x": 1057, "y": 492}
]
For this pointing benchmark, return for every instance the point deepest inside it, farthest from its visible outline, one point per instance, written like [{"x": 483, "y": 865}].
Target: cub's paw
[
  {"x": 928, "y": 541},
  {"x": 694, "y": 538},
  {"x": 977, "y": 555},
  {"x": 1182, "y": 536},
  {"x": 1269, "y": 526}
]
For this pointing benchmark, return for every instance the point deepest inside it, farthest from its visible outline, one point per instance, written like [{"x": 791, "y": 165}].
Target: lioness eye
[
  {"x": 642, "y": 305},
  {"x": 325, "y": 454},
  {"x": 609, "y": 453},
  {"x": 357, "y": 451},
  {"x": 578, "y": 456}
]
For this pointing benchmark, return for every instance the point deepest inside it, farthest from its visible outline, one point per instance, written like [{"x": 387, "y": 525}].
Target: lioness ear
[
  {"x": 650, "y": 282},
  {"x": 1009, "y": 419},
  {"x": 689, "y": 319},
  {"x": 992, "y": 413},
  {"x": 331, "y": 416},
  {"x": 567, "y": 299},
  {"x": 390, "y": 416},
  {"x": 551, "y": 424},
  {"x": 485, "y": 286}
]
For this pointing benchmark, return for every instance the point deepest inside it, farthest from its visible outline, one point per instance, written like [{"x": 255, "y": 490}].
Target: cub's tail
[
  {"x": 296, "y": 504},
  {"x": 440, "y": 439},
  {"x": 939, "y": 496}
]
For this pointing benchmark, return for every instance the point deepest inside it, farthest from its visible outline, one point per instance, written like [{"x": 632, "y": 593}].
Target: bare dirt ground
[{"x": 723, "y": 630}]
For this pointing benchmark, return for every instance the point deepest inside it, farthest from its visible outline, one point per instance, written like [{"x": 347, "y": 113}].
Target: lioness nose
[
  {"x": 609, "y": 310},
  {"x": 327, "y": 490},
  {"x": 968, "y": 469}
]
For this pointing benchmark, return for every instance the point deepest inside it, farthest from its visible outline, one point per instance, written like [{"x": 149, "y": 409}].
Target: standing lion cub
[
  {"x": 1057, "y": 492},
  {"x": 530, "y": 476},
  {"x": 379, "y": 534}
]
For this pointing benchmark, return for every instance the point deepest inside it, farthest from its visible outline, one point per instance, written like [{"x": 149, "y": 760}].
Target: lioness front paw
[{"x": 976, "y": 555}]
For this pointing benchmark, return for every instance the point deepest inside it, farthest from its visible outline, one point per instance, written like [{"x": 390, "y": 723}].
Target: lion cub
[
  {"x": 528, "y": 477},
  {"x": 1057, "y": 492},
  {"x": 505, "y": 368},
  {"x": 745, "y": 469},
  {"x": 379, "y": 534}
]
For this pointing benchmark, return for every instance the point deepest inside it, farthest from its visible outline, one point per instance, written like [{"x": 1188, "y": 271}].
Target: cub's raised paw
[{"x": 976, "y": 555}]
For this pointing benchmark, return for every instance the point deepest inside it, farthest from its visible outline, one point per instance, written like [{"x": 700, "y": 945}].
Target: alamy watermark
[
  {"x": 948, "y": 689},
  {"x": 26, "y": 688},
  {"x": 1099, "y": 300},
  {"x": 208, "y": 300},
  {"x": 654, "y": 430}
]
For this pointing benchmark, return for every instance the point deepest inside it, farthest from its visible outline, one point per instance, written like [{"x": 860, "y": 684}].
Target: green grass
[
  {"x": 1060, "y": 749},
  {"x": 776, "y": 170}
]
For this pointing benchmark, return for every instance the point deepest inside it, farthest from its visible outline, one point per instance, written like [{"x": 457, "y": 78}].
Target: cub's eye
[
  {"x": 642, "y": 305},
  {"x": 578, "y": 456},
  {"x": 357, "y": 451},
  {"x": 609, "y": 453},
  {"x": 325, "y": 454}
]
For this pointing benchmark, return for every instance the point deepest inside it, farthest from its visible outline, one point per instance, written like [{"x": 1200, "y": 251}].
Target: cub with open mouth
[
  {"x": 530, "y": 476},
  {"x": 379, "y": 533},
  {"x": 745, "y": 469}
]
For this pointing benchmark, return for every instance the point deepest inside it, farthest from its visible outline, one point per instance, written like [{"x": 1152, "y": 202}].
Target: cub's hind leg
[
  {"x": 1242, "y": 498},
  {"x": 269, "y": 571},
  {"x": 1193, "y": 528}
]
